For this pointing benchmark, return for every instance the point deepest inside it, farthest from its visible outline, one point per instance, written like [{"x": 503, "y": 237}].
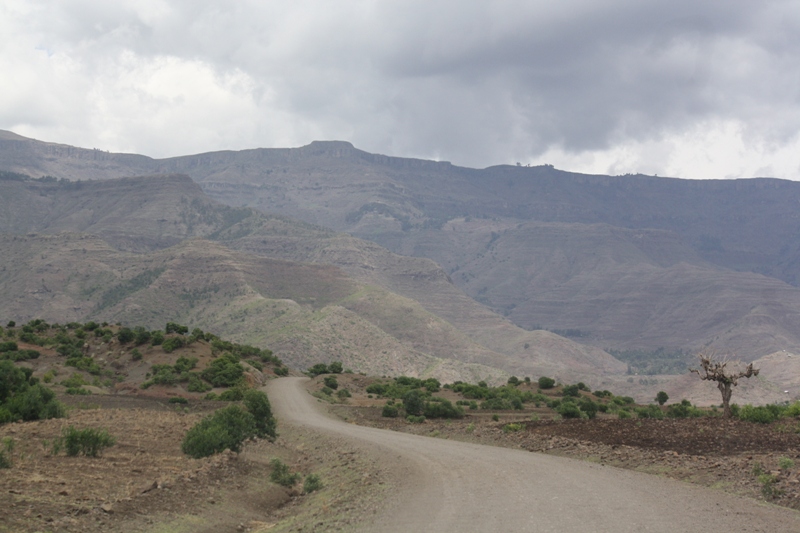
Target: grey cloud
[{"x": 474, "y": 82}]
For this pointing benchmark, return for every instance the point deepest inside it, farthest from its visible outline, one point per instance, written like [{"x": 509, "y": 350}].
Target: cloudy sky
[{"x": 689, "y": 88}]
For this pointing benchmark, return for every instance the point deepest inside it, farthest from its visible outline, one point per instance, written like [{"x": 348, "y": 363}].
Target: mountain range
[{"x": 487, "y": 260}]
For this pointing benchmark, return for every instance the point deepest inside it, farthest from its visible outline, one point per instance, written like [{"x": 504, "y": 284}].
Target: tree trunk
[{"x": 726, "y": 390}]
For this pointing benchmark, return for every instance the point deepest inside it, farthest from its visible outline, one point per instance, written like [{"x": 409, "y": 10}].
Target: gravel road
[{"x": 447, "y": 486}]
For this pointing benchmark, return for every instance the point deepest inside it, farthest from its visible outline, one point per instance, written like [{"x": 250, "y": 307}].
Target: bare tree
[{"x": 714, "y": 369}]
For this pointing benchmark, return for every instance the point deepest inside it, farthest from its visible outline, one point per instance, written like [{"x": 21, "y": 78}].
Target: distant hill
[
  {"x": 256, "y": 278},
  {"x": 618, "y": 262}
]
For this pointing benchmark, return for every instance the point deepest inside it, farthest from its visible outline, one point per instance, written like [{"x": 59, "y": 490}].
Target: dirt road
[{"x": 448, "y": 486}]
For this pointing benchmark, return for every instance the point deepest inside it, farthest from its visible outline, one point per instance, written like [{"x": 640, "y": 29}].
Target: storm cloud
[{"x": 706, "y": 89}]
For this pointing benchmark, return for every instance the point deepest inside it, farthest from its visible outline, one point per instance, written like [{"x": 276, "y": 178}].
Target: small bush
[
  {"x": 258, "y": 405},
  {"x": 157, "y": 338},
  {"x": 227, "y": 428},
  {"x": 331, "y": 382},
  {"x": 546, "y": 383},
  {"x": 281, "y": 371},
  {"x": 413, "y": 403},
  {"x": 650, "y": 411},
  {"x": 232, "y": 395},
  {"x": 344, "y": 393},
  {"x": 389, "y": 411},
  {"x": 415, "y": 419},
  {"x": 316, "y": 370},
  {"x": 89, "y": 442},
  {"x": 441, "y": 408},
  {"x": 623, "y": 414},
  {"x": 281, "y": 475},
  {"x": 225, "y": 371},
  {"x": 512, "y": 428},
  {"x": 569, "y": 410},
  {"x": 312, "y": 483},
  {"x": 762, "y": 414},
  {"x": 171, "y": 344},
  {"x": 335, "y": 368},
  {"x": 785, "y": 463},
  {"x": 178, "y": 399}
]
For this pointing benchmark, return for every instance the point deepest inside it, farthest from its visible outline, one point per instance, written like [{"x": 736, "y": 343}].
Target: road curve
[{"x": 449, "y": 486}]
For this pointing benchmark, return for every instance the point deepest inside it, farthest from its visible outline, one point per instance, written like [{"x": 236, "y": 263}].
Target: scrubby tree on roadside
[
  {"x": 713, "y": 369},
  {"x": 662, "y": 397}
]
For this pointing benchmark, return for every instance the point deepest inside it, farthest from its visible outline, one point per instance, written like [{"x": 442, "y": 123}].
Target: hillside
[
  {"x": 299, "y": 310},
  {"x": 627, "y": 261},
  {"x": 148, "y": 213}
]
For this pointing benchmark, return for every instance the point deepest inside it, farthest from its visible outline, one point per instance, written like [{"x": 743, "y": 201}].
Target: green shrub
[
  {"x": 662, "y": 397},
  {"x": 496, "y": 417},
  {"x": 569, "y": 410},
  {"x": 136, "y": 355},
  {"x": 546, "y": 383},
  {"x": 685, "y": 409},
  {"x": 31, "y": 402},
  {"x": 441, "y": 408},
  {"x": 316, "y": 370},
  {"x": 157, "y": 338},
  {"x": 227, "y": 428},
  {"x": 432, "y": 385},
  {"x": 512, "y": 428},
  {"x": 344, "y": 393},
  {"x": 171, "y": 344},
  {"x": 335, "y": 368},
  {"x": 588, "y": 407},
  {"x": 78, "y": 391},
  {"x": 763, "y": 414},
  {"x": 499, "y": 404},
  {"x": 234, "y": 394},
  {"x": 5, "y": 461},
  {"x": 125, "y": 335},
  {"x": 281, "y": 474},
  {"x": 650, "y": 411},
  {"x": 184, "y": 364},
  {"x": 89, "y": 442},
  {"x": 389, "y": 411},
  {"x": 413, "y": 403},
  {"x": 86, "y": 364},
  {"x": 623, "y": 414},
  {"x": 225, "y": 371},
  {"x": 178, "y": 399},
  {"x": 331, "y": 382},
  {"x": 258, "y": 405},
  {"x": 281, "y": 371},
  {"x": 415, "y": 419},
  {"x": 172, "y": 327},
  {"x": 785, "y": 463},
  {"x": 312, "y": 483},
  {"x": 327, "y": 391},
  {"x": 8, "y": 346},
  {"x": 196, "y": 384},
  {"x": 571, "y": 391}
]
